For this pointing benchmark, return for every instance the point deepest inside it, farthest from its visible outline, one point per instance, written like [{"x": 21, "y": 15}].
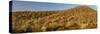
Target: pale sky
[{"x": 39, "y": 6}]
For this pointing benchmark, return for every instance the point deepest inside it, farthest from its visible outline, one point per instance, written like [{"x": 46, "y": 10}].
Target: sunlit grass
[{"x": 81, "y": 17}]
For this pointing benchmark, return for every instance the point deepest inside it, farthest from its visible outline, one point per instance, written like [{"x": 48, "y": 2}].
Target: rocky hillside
[{"x": 81, "y": 17}]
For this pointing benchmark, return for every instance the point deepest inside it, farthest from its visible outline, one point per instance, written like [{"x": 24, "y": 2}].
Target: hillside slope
[{"x": 81, "y": 17}]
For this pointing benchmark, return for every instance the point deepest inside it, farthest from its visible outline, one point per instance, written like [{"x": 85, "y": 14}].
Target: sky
[{"x": 41, "y": 6}]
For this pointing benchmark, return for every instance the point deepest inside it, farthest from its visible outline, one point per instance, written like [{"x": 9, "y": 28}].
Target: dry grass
[{"x": 81, "y": 17}]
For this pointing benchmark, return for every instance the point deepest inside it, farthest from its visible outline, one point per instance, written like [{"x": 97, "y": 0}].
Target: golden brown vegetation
[{"x": 81, "y": 17}]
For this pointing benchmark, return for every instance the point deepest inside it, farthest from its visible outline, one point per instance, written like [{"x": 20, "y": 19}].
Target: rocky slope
[{"x": 81, "y": 17}]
